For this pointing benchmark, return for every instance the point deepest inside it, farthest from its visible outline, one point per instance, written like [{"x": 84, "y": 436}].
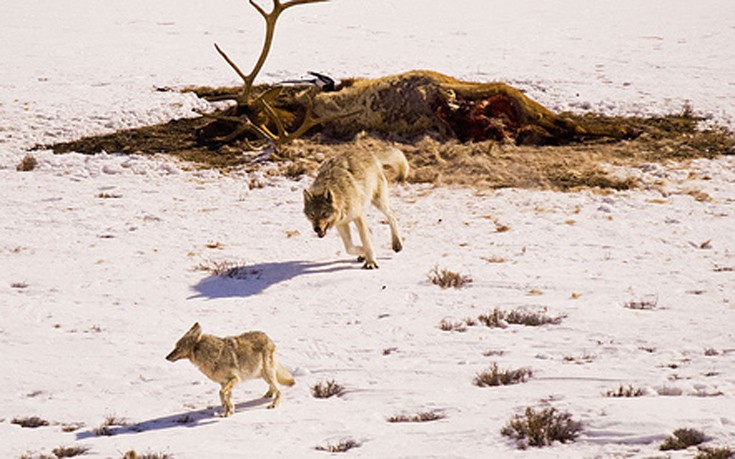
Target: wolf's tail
[
  {"x": 284, "y": 376},
  {"x": 396, "y": 160}
]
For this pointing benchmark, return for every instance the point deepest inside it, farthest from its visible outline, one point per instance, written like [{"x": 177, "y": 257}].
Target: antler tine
[
  {"x": 231, "y": 62},
  {"x": 298, "y": 2},
  {"x": 260, "y": 8}
]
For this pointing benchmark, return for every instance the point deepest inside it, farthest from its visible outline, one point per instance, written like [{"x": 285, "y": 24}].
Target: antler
[
  {"x": 261, "y": 107},
  {"x": 270, "y": 27}
]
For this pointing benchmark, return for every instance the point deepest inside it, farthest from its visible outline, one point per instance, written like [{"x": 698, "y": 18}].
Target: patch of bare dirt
[{"x": 441, "y": 161}]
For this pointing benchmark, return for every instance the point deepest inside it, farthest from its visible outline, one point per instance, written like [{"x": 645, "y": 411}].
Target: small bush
[
  {"x": 27, "y": 164},
  {"x": 622, "y": 391},
  {"x": 426, "y": 416},
  {"x": 31, "y": 422},
  {"x": 341, "y": 447},
  {"x": 70, "y": 451},
  {"x": 715, "y": 453},
  {"x": 228, "y": 269},
  {"x": 494, "y": 377},
  {"x": 72, "y": 427},
  {"x": 642, "y": 305},
  {"x": 134, "y": 455},
  {"x": 327, "y": 389},
  {"x": 446, "y": 279},
  {"x": 501, "y": 319},
  {"x": 446, "y": 325},
  {"x": 541, "y": 428},
  {"x": 683, "y": 439},
  {"x": 105, "y": 428}
]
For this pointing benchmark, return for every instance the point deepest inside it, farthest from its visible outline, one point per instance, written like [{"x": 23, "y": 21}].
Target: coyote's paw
[
  {"x": 224, "y": 414},
  {"x": 397, "y": 246},
  {"x": 370, "y": 265},
  {"x": 272, "y": 405},
  {"x": 268, "y": 394}
]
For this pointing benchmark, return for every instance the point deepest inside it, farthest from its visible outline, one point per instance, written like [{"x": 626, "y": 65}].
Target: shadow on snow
[
  {"x": 248, "y": 280},
  {"x": 188, "y": 419}
]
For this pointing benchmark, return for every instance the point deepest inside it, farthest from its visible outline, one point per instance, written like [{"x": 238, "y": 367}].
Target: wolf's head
[
  {"x": 320, "y": 210},
  {"x": 186, "y": 344}
]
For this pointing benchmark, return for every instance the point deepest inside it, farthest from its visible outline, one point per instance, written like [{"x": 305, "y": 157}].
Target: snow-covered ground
[{"x": 101, "y": 257}]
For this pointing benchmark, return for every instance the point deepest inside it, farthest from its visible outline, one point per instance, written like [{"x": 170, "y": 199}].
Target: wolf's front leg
[
  {"x": 367, "y": 245},
  {"x": 350, "y": 248}
]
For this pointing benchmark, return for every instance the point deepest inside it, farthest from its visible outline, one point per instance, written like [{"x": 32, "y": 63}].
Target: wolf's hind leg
[
  {"x": 225, "y": 396},
  {"x": 346, "y": 235},
  {"x": 269, "y": 375},
  {"x": 380, "y": 201}
]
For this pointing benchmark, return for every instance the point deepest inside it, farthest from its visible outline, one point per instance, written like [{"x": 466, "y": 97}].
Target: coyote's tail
[
  {"x": 396, "y": 160},
  {"x": 284, "y": 376}
]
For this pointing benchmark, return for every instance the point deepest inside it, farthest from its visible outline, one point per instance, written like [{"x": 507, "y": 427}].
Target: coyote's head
[
  {"x": 320, "y": 210},
  {"x": 186, "y": 344}
]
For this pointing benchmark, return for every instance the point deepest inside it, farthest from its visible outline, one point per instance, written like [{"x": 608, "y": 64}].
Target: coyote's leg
[
  {"x": 225, "y": 396},
  {"x": 367, "y": 245},
  {"x": 346, "y": 235},
  {"x": 380, "y": 201},
  {"x": 269, "y": 374}
]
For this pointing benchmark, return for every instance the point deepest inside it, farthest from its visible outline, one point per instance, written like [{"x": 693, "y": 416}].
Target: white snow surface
[{"x": 100, "y": 255}]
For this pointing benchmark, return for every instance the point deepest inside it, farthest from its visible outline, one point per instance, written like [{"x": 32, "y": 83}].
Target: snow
[{"x": 101, "y": 256}]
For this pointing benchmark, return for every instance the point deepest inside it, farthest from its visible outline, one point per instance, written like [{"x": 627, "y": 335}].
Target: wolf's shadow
[
  {"x": 188, "y": 419},
  {"x": 248, "y": 280}
]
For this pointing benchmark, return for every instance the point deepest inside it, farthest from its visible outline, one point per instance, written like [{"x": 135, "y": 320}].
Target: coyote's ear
[
  {"x": 195, "y": 330},
  {"x": 308, "y": 196},
  {"x": 328, "y": 196}
]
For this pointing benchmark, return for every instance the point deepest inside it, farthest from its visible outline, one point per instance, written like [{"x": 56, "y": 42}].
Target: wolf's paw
[
  {"x": 370, "y": 265},
  {"x": 272, "y": 405},
  {"x": 361, "y": 258},
  {"x": 397, "y": 246},
  {"x": 268, "y": 394}
]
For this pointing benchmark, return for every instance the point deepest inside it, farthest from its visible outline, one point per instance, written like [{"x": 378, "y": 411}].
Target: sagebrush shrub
[
  {"x": 425, "y": 416},
  {"x": 327, "y": 389},
  {"x": 30, "y": 422},
  {"x": 494, "y": 377},
  {"x": 683, "y": 439},
  {"x": 541, "y": 428},
  {"x": 448, "y": 279},
  {"x": 341, "y": 447}
]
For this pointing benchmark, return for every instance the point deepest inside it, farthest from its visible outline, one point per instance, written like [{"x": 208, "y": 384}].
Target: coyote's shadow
[
  {"x": 188, "y": 419},
  {"x": 248, "y": 280}
]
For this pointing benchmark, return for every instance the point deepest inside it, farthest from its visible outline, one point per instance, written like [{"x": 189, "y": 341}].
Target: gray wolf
[
  {"x": 342, "y": 188},
  {"x": 232, "y": 359}
]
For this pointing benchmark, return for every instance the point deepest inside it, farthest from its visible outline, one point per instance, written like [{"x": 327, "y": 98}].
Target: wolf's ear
[
  {"x": 328, "y": 196},
  {"x": 308, "y": 196}
]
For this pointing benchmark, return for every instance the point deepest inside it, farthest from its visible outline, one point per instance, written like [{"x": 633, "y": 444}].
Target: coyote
[
  {"x": 343, "y": 186},
  {"x": 229, "y": 360}
]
